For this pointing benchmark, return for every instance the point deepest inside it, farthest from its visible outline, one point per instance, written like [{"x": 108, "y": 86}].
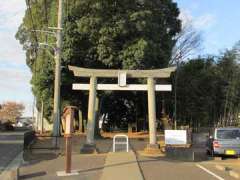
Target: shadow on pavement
[
  {"x": 31, "y": 157},
  {"x": 30, "y": 176}
]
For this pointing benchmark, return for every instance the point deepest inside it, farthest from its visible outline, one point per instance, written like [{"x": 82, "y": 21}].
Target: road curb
[
  {"x": 185, "y": 154},
  {"x": 11, "y": 172}
]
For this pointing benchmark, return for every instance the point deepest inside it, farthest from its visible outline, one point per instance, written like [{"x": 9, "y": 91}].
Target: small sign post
[
  {"x": 68, "y": 138},
  {"x": 68, "y": 115}
]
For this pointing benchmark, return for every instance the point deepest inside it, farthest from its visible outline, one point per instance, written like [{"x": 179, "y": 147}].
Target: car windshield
[{"x": 228, "y": 134}]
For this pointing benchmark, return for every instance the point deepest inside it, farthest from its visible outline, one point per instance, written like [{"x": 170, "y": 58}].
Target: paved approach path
[{"x": 121, "y": 165}]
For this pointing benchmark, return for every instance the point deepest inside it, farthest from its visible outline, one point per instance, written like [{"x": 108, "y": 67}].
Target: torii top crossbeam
[{"x": 111, "y": 73}]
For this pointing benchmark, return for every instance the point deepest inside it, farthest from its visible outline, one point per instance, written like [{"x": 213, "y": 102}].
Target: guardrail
[{"x": 120, "y": 142}]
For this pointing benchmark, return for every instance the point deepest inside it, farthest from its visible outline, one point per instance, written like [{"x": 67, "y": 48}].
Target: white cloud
[
  {"x": 11, "y": 13},
  {"x": 10, "y": 49},
  {"x": 185, "y": 17},
  {"x": 200, "y": 23},
  {"x": 15, "y": 75}
]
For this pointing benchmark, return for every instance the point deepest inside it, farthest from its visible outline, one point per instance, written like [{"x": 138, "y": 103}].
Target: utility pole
[
  {"x": 175, "y": 93},
  {"x": 175, "y": 100},
  {"x": 57, "y": 81}
]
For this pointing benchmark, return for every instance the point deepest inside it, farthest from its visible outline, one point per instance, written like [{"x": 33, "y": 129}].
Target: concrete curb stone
[{"x": 11, "y": 172}]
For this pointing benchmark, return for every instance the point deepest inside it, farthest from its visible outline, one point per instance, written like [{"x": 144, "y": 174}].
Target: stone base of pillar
[
  {"x": 89, "y": 149},
  {"x": 152, "y": 149}
]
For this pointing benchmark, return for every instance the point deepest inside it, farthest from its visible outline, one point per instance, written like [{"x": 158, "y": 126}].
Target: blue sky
[{"x": 218, "y": 20}]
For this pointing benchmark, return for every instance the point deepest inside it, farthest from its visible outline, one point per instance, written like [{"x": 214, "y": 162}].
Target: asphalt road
[
  {"x": 11, "y": 144},
  {"x": 160, "y": 168}
]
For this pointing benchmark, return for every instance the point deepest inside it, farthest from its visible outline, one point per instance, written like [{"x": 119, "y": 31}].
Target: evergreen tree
[{"x": 136, "y": 34}]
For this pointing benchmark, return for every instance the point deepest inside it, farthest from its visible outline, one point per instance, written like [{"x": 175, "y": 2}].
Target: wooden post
[
  {"x": 68, "y": 116},
  {"x": 68, "y": 160},
  {"x": 68, "y": 139}
]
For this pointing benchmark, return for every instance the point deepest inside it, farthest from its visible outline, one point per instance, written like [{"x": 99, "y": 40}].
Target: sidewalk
[
  {"x": 90, "y": 167},
  {"x": 41, "y": 164},
  {"x": 122, "y": 165},
  {"x": 117, "y": 166}
]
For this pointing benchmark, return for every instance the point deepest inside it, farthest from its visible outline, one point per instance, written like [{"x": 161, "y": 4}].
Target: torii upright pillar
[
  {"x": 152, "y": 111},
  {"x": 90, "y": 146},
  {"x": 153, "y": 146}
]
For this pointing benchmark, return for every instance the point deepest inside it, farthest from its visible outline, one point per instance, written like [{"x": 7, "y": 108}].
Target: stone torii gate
[{"x": 150, "y": 87}]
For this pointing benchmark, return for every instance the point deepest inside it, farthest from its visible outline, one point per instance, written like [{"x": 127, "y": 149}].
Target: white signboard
[
  {"x": 122, "y": 79},
  {"x": 173, "y": 137}
]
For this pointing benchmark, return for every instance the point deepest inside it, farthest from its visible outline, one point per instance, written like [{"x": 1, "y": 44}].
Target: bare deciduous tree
[
  {"x": 188, "y": 41},
  {"x": 10, "y": 111}
]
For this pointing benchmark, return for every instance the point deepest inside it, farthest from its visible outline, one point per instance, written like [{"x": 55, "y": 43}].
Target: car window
[{"x": 228, "y": 134}]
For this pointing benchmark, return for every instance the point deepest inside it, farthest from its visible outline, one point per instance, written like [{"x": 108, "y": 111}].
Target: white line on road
[{"x": 209, "y": 172}]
